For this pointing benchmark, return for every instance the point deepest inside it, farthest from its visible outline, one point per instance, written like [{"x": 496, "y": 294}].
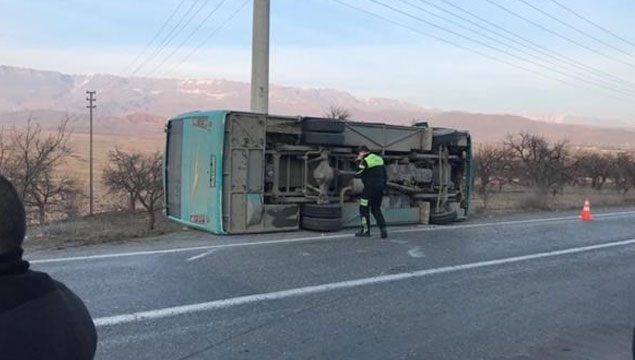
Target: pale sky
[{"x": 320, "y": 43}]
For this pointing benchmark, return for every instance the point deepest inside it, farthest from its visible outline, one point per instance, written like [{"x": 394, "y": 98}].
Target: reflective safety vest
[{"x": 372, "y": 170}]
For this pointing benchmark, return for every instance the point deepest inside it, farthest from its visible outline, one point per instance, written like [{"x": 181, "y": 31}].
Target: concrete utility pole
[
  {"x": 90, "y": 106},
  {"x": 260, "y": 58}
]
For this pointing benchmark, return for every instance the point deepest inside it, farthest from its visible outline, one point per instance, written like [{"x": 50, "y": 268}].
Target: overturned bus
[{"x": 230, "y": 172}]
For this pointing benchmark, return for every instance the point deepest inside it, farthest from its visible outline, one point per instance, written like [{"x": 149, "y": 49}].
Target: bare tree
[
  {"x": 119, "y": 176},
  {"x": 47, "y": 191},
  {"x": 37, "y": 153},
  {"x": 545, "y": 167},
  {"x": 490, "y": 162},
  {"x": 6, "y": 167},
  {"x": 337, "y": 113},
  {"x": 32, "y": 160},
  {"x": 150, "y": 181},
  {"x": 623, "y": 172},
  {"x": 139, "y": 177},
  {"x": 594, "y": 166}
]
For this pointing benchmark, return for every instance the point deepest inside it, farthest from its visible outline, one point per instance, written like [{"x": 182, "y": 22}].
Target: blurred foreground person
[{"x": 39, "y": 317}]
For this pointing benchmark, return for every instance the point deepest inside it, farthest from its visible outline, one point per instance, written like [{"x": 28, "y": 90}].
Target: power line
[
  {"x": 521, "y": 49},
  {"x": 539, "y": 48},
  {"x": 156, "y": 35},
  {"x": 528, "y": 43},
  {"x": 575, "y": 28},
  {"x": 189, "y": 36},
  {"x": 148, "y": 45},
  {"x": 211, "y": 34},
  {"x": 183, "y": 27},
  {"x": 174, "y": 32},
  {"x": 171, "y": 35},
  {"x": 492, "y": 47},
  {"x": 558, "y": 34},
  {"x": 576, "y": 14},
  {"x": 452, "y": 43}
]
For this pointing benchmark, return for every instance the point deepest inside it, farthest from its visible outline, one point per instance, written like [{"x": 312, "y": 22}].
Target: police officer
[{"x": 373, "y": 174}]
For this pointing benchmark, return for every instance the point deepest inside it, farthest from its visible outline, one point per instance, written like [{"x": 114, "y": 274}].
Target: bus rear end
[{"x": 193, "y": 170}]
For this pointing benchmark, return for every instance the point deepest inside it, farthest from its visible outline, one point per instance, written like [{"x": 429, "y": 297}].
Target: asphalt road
[{"x": 515, "y": 287}]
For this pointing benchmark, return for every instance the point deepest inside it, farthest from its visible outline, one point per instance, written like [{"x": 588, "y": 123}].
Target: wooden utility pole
[
  {"x": 260, "y": 58},
  {"x": 91, "y": 99}
]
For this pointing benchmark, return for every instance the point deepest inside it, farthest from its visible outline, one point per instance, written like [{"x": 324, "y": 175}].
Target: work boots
[{"x": 362, "y": 233}]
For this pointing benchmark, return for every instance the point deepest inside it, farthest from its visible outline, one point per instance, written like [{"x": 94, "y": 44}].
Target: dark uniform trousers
[
  {"x": 372, "y": 171},
  {"x": 370, "y": 202}
]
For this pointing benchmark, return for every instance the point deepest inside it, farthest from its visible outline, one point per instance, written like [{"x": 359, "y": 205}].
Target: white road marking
[
  {"x": 418, "y": 228},
  {"x": 187, "y": 249},
  {"x": 398, "y": 241},
  {"x": 416, "y": 252},
  {"x": 322, "y": 288},
  {"x": 202, "y": 255}
]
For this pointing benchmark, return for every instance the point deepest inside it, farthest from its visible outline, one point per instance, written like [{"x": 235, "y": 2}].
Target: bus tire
[
  {"x": 323, "y": 125},
  {"x": 443, "y": 218},
  {"x": 321, "y": 138},
  {"x": 318, "y": 224},
  {"x": 328, "y": 211}
]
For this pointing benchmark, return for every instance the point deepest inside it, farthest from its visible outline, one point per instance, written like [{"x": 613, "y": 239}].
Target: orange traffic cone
[{"x": 586, "y": 211}]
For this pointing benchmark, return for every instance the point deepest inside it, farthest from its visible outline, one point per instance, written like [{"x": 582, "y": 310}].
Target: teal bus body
[
  {"x": 194, "y": 175},
  {"x": 201, "y": 170}
]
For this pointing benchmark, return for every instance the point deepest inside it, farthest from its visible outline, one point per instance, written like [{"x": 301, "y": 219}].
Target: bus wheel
[
  {"x": 319, "y": 224},
  {"x": 443, "y": 218},
  {"x": 328, "y": 211}
]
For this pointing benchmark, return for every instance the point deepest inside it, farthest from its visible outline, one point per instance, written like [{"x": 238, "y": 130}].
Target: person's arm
[{"x": 361, "y": 168}]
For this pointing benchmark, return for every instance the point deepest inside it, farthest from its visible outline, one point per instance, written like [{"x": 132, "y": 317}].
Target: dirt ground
[{"x": 100, "y": 228}]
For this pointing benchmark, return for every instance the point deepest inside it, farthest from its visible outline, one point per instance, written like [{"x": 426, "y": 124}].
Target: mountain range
[{"x": 135, "y": 105}]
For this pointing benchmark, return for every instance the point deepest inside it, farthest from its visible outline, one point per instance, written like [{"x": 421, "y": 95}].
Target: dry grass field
[
  {"x": 102, "y": 144},
  {"x": 101, "y": 228},
  {"x": 520, "y": 199}
]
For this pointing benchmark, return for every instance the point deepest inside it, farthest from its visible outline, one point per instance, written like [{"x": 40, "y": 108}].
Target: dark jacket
[
  {"x": 372, "y": 170},
  {"x": 40, "y": 318}
]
